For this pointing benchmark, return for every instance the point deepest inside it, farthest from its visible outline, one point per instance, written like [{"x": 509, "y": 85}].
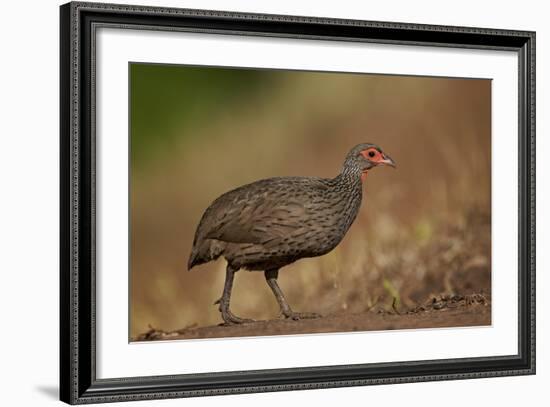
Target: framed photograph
[{"x": 255, "y": 203}]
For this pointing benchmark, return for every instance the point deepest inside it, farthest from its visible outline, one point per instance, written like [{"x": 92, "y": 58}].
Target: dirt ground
[{"x": 437, "y": 312}]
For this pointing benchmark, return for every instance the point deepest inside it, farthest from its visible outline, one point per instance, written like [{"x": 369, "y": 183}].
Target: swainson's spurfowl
[{"x": 273, "y": 222}]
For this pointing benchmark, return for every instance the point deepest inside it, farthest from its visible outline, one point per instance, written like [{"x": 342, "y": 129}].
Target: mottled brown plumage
[{"x": 273, "y": 222}]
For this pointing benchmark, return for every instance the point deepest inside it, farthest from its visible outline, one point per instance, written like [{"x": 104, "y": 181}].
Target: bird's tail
[
  {"x": 193, "y": 260},
  {"x": 204, "y": 252}
]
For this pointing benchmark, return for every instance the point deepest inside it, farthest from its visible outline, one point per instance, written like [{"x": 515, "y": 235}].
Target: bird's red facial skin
[{"x": 372, "y": 154}]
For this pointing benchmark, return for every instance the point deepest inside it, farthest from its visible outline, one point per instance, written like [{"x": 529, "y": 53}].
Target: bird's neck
[
  {"x": 348, "y": 187},
  {"x": 350, "y": 179}
]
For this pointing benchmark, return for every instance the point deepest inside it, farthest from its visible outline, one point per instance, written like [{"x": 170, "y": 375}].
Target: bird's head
[{"x": 364, "y": 157}]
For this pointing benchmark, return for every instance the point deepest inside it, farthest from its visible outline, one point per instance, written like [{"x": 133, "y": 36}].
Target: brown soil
[{"x": 437, "y": 312}]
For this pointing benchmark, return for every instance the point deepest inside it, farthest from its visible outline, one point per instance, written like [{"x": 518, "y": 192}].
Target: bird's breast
[{"x": 329, "y": 220}]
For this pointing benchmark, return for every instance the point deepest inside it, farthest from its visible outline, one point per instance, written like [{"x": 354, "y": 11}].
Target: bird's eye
[{"x": 371, "y": 154}]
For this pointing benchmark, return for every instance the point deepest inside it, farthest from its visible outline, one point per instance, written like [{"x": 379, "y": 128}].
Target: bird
[{"x": 273, "y": 222}]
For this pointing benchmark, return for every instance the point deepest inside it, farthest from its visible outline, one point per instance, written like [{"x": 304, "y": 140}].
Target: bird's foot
[
  {"x": 300, "y": 315},
  {"x": 231, "y": 319}
]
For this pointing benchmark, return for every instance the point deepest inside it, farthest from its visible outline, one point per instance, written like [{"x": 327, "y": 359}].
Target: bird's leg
[
  {"x": 228, "y": 317},
  {"x": 271, "y": 278}
]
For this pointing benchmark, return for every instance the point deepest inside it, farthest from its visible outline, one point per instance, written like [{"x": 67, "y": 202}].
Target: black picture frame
[{"x": 78, "y": 382}]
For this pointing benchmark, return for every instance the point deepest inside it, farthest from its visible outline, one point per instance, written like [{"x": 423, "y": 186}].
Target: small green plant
[{"x": 393, "y": 292}]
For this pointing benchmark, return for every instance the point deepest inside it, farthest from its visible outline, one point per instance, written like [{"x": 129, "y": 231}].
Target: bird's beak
[{"x": 387, "y": 160}]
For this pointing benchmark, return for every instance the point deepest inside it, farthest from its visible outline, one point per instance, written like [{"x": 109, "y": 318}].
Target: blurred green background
[
  {"x": 162, "y": 118},
  {"x": 197, "y": 132}
]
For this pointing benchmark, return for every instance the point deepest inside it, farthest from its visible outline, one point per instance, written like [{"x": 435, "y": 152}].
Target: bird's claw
[
  {"x": 296, "y": 316},
  {"x": 237, "y": 321},
  {"x": 231, "y": 319}
]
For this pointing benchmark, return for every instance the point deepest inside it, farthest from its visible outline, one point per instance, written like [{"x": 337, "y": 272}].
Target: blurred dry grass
[{"x": 423, "y": 229}]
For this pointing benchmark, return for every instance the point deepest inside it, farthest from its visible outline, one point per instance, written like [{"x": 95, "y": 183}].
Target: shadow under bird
[{"x": 273, "y": 222}]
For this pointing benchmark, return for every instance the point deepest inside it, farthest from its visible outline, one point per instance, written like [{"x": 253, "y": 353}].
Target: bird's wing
[{"x": 258, "y": 215}]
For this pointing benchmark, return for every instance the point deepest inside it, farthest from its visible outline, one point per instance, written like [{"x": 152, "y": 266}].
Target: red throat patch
[{"x": 364, "y": 176}]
